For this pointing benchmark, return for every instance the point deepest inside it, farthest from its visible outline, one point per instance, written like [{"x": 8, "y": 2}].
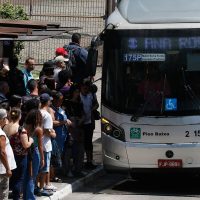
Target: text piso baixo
[{"x": 155, "y": 134}]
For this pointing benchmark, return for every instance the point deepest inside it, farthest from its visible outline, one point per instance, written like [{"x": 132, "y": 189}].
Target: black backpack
[
  {"x": 73, "y": 55},
  {"x": 78, "y": 66}
]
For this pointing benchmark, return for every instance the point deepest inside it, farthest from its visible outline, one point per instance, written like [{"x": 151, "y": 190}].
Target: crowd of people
[{"x": 46, "y": 125}]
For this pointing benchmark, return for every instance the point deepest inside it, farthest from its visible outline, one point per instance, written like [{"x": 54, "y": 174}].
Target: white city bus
[{"x": 151, "y": 87}]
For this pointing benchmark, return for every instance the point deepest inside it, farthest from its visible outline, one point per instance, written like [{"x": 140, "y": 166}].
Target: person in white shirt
[
  {"x": 49, "y": 133},
  {"x": 7, "y": 160}
]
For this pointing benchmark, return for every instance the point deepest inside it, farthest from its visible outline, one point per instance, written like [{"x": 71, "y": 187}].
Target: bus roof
[{"x": 160, "y": 11}]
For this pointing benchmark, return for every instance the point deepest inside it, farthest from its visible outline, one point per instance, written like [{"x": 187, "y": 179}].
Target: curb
[{"x": 69, "y": 188}]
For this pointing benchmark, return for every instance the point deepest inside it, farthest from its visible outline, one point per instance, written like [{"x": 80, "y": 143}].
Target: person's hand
[
  {"x": 68, "y": 122},
  {"x": 8, "y": 173},
  {"x": 42, "y": 163},
  {"x": 31, "y": 140}
]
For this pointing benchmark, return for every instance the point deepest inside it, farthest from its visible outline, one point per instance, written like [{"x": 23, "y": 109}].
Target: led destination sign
[{"x": 163, "y": 43}]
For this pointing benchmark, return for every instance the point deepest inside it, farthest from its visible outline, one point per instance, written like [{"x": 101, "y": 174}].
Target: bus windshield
[{"x": 152, "y": 72}]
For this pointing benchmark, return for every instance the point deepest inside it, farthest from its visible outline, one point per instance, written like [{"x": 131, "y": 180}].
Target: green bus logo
[{"x": 135, "y": 133}]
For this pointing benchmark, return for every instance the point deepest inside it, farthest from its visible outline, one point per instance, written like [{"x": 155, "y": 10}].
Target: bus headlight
[
  {"x": 108, "y": 128},
  {"x": 112, "y": 130}
]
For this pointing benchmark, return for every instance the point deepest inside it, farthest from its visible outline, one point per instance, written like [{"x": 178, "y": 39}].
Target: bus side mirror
[{"x": 92, "y": 61}]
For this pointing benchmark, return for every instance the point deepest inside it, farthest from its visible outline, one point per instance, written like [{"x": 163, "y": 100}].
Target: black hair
[
  {"x": 13, "y": 62},
  {"x": 44, "y": 89},
  {"x": 48, "y": 68},
  {"x": 28, "y": 59},
  {"x": 32, "y": 104},
  {"x": 15, "y": 100},
  {"x": 5, "y": 105},
  {"x": 34, "y": 118},
  {"x": 3, "y": 84},
  {"x": 73, "y": 88},
  {"x": 76, "y": 37},
  {"x": 93, "y": 88},
  {"x": 32, "y": 84},
  {"x": 64, "y": 76},
  {"x": 86, "y": 83},
  {"x": 56, "y": 95},
  {"x": 51, "y": 83}
]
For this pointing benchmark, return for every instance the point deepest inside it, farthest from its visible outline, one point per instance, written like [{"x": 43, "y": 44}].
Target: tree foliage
[{"x": 13, "y": 12}]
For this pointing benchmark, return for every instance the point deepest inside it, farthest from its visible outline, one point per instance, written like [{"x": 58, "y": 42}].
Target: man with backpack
[{"x": 78, "y": 57}]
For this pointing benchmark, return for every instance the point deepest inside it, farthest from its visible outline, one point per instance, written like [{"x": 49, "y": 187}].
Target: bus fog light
[{"x": 116, "y": 133}]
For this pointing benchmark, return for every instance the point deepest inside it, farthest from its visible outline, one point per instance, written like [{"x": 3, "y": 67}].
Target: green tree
[{"x": 10, "y": 11}]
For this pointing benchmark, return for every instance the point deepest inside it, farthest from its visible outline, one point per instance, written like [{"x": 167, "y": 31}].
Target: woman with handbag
[{"x": 20, "y": 143}]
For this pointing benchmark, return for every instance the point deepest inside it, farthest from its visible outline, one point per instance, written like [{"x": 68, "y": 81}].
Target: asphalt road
[{"x": 118, "y": 187}]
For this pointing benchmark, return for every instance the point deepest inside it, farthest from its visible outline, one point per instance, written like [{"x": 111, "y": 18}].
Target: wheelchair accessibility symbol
[{"x": 170, "y": 104}]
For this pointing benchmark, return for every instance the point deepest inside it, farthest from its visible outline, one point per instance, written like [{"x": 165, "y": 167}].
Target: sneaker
[
  {"x": 90, "y": 166},
  {"x": 50, "y": 187},
  {"x": 43, "y": 192},
  {"x": 37, "y": 191}
]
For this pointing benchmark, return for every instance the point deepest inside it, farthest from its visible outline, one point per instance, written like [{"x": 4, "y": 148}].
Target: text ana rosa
[{"x": 155, "y": 134}]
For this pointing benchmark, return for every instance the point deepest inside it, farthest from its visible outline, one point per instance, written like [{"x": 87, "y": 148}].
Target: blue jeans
[
  {"x": 29, "y": 182},
  {"x": 18, "y": 175}
]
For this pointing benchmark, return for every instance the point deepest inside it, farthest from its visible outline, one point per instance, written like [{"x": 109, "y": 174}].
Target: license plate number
[{"x": 169, "y": 163}]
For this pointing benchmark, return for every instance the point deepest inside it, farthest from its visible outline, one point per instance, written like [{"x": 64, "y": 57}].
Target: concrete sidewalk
[{"x": 70, "y": 185}]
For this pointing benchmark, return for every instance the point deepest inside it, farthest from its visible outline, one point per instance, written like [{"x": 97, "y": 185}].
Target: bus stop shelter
[{"x": 27, "y": 30}]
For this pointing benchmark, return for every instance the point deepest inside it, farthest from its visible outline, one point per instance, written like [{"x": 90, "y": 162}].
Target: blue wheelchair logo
[{"x": 170, "y": 104}]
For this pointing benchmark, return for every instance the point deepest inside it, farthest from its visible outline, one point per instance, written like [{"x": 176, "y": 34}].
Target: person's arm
[
  {"x": 59, "y": 123},
  {"x": 50, "y": 132},
  {"x": 26, "y": 142},
  {"x": 39, "y": 134},
  {"x": 25, "y": 78},
  {"x": 3, "y": 155},
  {"x": 95, "y": 103}
]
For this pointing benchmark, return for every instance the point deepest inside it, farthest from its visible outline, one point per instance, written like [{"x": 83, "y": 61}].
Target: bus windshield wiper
[
  {"x": 140, "y": 110},
  {"x": 163, "y": 94},
  {"x": 190, "y": 92},
  {"x": 153, "y": 95}
]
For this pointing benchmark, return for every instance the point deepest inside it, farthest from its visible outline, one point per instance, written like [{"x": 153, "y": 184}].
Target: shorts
[{"x": 47, "y": 159}]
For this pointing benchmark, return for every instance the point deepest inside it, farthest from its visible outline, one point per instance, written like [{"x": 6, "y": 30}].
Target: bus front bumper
[{"x": 126, "y": 156}]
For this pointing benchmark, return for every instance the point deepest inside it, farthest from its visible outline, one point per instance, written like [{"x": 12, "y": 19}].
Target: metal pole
[
  {"x": 31, "y": 9},
  {"x": 110, "y": 6}
]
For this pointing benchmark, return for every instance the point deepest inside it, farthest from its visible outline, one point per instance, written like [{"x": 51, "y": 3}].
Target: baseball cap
[
  {"x": 45, "y": 98},
  {"x": 61, "y": 51},
  {"x": 61, "y": 59}
]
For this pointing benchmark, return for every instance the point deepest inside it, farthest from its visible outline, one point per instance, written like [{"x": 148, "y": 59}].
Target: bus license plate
[{"x": 169, "y": 163}]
